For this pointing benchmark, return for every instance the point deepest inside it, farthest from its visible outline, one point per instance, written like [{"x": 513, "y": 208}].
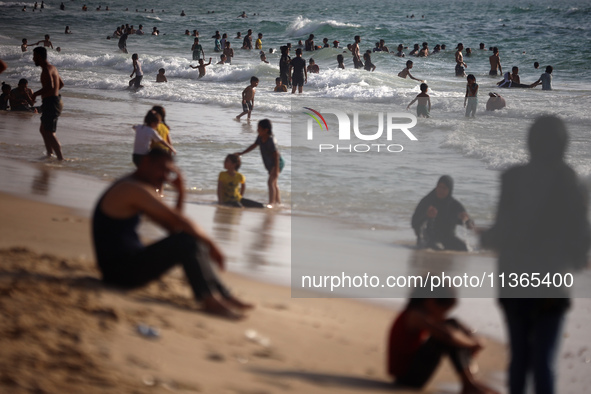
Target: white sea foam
[{"x": 303, "y": 26}]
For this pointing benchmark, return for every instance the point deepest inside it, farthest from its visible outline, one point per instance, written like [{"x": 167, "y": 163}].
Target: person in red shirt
[{"x": 422, "y": 334}]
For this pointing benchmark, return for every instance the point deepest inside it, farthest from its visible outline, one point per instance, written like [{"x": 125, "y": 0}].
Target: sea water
[{"x": 473, "y": 151}]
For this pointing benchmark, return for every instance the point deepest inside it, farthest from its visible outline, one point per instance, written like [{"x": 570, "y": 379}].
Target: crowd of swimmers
[{"x": 293, "y": 71}]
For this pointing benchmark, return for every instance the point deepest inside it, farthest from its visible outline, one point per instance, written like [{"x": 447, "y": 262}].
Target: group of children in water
[{"x": 155, "y": 133}]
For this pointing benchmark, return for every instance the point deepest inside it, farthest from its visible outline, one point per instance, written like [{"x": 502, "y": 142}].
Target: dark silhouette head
[{"x": 547, "y": 139}]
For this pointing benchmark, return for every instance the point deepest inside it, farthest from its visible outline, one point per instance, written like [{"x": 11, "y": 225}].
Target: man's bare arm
[{"x": 146, "y": 201}]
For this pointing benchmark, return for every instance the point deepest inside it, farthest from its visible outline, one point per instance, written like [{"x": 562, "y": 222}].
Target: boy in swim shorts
[
  {"x": 248, "y": 98},
  {"x": 51, "y": 83},
  {"x": 424, "y": 102}
]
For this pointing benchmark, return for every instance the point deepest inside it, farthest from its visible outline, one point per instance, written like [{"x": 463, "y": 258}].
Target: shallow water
[{"x": 473, "y": 151}]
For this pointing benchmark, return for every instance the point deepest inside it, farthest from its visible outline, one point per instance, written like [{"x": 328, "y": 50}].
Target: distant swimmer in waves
[
  {"x": 201, "y": 67},
  {"x": 436, "y": 217},
  {"x": 161, "y": 77},
  {"x": 406, "y": 72}
]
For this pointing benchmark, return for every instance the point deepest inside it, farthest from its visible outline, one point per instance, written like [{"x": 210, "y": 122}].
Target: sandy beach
[{"x": 63, "y": 331}]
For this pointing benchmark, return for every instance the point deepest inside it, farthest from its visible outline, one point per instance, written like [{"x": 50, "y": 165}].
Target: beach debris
[
  {"x": 254, "y": 336},
  {"x": 242, "y": 360},
  {"x": 148, "y": 331},
  {"x": 216, "y": 357},
  {"x": 149, "y": 380},
  {"x": 263, "y": 353}
]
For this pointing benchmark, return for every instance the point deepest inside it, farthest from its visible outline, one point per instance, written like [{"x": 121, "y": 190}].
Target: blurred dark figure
[
  {"x": 436, "y": 217},
  {"x": 541, "y": 227}
]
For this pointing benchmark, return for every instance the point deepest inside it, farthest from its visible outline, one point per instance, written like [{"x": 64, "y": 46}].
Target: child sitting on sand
[
  {"x": 231, "y": 185},
  {"x": 424, "y": 102},
  {"x": 406, "y": 72},
  {"x": 422, "y": 334},
  {"x": 161, "y": 77},
  {"x": 271, "y": 158},
  {"x": 201, "y": 67}
]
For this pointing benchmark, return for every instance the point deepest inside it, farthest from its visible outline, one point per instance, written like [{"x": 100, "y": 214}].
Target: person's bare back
[
  {"x": 51, "y": 82},
  {"x": 495, "y": 62},
  {"x": 248, "y": 93}
]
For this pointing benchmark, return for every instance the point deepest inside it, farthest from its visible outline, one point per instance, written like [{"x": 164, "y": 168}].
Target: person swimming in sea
[
  {"x": 406, "y": 72},
  {"x": 512, "y": 80}
]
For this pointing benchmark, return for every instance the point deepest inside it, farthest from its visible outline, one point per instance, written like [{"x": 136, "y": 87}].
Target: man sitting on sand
[{"x": 125, "y": 261}]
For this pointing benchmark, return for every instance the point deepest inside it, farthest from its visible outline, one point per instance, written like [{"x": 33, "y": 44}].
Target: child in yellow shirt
[{"x": 231, "y": 185}]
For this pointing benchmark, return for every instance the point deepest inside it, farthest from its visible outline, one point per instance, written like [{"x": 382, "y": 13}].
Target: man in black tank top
[{"x": 125, "y": 261}]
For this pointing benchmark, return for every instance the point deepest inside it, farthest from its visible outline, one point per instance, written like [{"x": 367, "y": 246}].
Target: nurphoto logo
[{"x": 395, "y": 121}]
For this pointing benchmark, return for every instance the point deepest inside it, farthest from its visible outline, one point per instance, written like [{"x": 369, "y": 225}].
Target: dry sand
[{"x": 62, "y": 331}]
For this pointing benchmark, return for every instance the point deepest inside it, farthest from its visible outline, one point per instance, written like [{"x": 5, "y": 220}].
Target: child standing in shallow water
[
  {"x": 271, "y": 158},
  {"x": 248, "y": 97},
  {"x": 424, "y": 102},
  {"x": 471, "y": 96}
]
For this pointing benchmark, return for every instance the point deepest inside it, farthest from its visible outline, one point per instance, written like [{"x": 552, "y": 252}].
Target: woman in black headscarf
[
  {"x": 436, "y": 217},
  {"x": 541, "y": 230}
]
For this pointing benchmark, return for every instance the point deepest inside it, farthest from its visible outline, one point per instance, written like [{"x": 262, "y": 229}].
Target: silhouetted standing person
[
  {"x": 541, "y": 227},
  {"x": 51, "y": 83}
]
